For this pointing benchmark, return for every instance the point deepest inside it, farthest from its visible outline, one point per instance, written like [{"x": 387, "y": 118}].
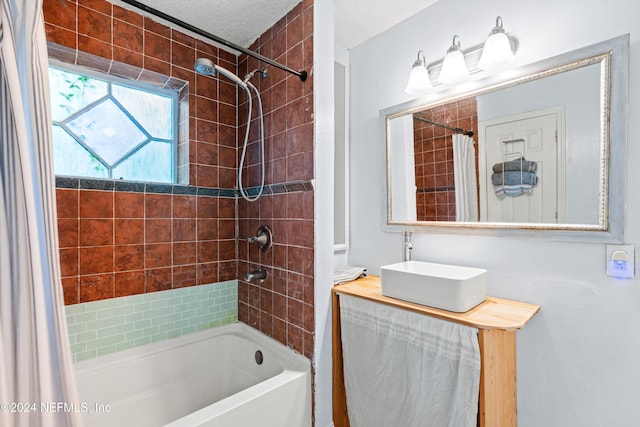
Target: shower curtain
[
  {"x": 37, "y": 387},
  {"x": 464, "y": 171},
  {"x": 403, "y": 179}
]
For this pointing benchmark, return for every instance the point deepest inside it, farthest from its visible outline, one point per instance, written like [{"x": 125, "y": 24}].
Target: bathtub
[{"x": 209, "y": 378}]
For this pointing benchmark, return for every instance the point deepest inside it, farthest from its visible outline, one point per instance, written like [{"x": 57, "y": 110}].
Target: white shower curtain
[
  {"x": 464, "y": 170},
  {"x": 37, "y": 387},
  {"x": 403, "y": 178}
]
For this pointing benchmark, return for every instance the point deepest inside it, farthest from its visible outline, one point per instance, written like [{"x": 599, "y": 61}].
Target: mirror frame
[{"x": 613, "y": 55}]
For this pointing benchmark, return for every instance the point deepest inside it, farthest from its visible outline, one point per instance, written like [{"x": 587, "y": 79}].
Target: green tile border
[{"x": 106, "y": 326}]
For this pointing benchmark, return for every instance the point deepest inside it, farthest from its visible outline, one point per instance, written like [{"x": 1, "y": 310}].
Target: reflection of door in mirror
[
  {"x": 528, "y": 137},
  {"x": 576, "y": 94},
  {"x": 433, "y": 151}
]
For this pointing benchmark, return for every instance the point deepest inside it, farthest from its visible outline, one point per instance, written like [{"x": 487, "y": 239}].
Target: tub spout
[{"x": 259, "y": 274}]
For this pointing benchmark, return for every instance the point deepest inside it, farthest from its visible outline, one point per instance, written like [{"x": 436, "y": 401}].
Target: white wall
[
  {"x": 322, "y": 75},
  {"x": 579, "y": 359}
]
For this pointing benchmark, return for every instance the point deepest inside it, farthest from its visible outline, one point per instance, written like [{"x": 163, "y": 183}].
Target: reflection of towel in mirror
[
  {"x": 513, "y": 183},
  {"x": 519, "y": 164},
  {"x": 512, "y": 190},
  {"x": 513, "y": 178}
]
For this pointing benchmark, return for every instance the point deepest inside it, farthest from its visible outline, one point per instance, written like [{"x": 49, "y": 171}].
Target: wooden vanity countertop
[{"x": 493, "y": 313}]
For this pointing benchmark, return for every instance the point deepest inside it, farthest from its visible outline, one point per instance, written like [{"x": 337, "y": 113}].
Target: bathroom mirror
[{"x": 547, "y": 151}]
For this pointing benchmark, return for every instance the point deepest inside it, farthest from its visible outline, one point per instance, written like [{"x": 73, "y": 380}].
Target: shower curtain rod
[
  {"x": 459, "y": 130},
  {"x": 302, "y": 74}
]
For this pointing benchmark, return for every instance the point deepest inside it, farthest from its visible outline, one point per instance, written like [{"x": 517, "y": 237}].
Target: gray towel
[
  {"x": 512, "y": 190},
  {"x": 519, "y": 164},
  {"x": 514, "y": 178}
]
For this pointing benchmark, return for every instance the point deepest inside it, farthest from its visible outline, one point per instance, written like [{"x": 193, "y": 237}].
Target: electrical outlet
[{"x": 620, "y": 261}]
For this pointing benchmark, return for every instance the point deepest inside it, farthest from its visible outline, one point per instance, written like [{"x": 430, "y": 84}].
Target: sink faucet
[
  {"x": 407, "y": 246},
  {"x": 259, "y": 274}
]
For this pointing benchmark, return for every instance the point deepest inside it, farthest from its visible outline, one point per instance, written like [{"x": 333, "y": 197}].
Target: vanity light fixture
[
  {"x": 454, "y": 70},
  {"x": 497, "y": 52},
  {"x": 419, "y": 82}
]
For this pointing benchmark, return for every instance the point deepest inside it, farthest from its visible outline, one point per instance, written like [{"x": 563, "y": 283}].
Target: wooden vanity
[{"x": 497, "y": 321}]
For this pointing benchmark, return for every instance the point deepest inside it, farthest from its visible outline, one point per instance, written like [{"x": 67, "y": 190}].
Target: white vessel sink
[{"x": 448, "y": 287}]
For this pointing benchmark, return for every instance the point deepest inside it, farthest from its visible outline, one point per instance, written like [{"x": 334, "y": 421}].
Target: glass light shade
[
  {"x": 418, "y": 81},
  {"x": 454, "y": 70},
  {"x": 496, "y": 53}
]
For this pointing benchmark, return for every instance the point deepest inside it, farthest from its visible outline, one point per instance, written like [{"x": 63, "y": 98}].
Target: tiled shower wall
[
  {"x": 433, "y": 149},
  {"x": 121, "y": 239},
  {"x": 282, "y": 306}
]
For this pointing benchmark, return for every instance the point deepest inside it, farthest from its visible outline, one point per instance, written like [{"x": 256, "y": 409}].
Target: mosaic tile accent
[
  {"x": 101, "y": 327},
  {"x": 67, "y": 182}
]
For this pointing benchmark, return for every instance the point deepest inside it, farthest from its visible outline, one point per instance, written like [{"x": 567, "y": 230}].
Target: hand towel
[
  {"x": 406, "y": 369},
  {"x": 514, "y": 178},
  {"x": 512, "y": 190},
  {"x": 519, "y": 164}
]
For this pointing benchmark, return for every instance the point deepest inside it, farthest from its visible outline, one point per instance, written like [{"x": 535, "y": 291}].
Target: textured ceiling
[
  {"x": 243, "y": 21},
  {"x": 238, "y": 21},
  {"x": 358, "y": 20}
]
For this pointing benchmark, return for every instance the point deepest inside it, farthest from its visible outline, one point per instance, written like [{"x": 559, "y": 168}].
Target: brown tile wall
[
  {"x": 282, "y": 306},
  {"x": 433, "y": 150},
  {"x": 123, "y": 243},
  {"x": 115, "y": 244}
]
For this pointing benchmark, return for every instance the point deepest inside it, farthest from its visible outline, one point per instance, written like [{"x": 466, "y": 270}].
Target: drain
[{"x": 259, "y": 357}]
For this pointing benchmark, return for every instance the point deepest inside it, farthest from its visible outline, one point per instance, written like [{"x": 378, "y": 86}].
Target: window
[{"x": 107, "y": 127}]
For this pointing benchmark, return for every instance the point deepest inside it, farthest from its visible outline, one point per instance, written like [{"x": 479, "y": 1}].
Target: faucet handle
[{"x": 263, "y": 237}]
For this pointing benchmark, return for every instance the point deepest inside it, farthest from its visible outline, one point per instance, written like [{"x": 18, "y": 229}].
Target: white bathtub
[{"x": 209, "y": 378}]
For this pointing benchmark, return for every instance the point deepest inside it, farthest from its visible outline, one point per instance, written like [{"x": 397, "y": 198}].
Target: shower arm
[{"x": 302, "y": 74}]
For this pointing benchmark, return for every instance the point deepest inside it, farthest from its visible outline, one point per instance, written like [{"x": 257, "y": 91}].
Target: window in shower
[{"x": 108, "y": 127}]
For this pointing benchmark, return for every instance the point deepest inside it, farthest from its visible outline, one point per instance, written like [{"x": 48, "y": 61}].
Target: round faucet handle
[{"x": 263, "y": 237}]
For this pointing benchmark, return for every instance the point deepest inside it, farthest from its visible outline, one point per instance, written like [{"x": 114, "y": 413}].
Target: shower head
[{"x": 206, "y": 67}]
